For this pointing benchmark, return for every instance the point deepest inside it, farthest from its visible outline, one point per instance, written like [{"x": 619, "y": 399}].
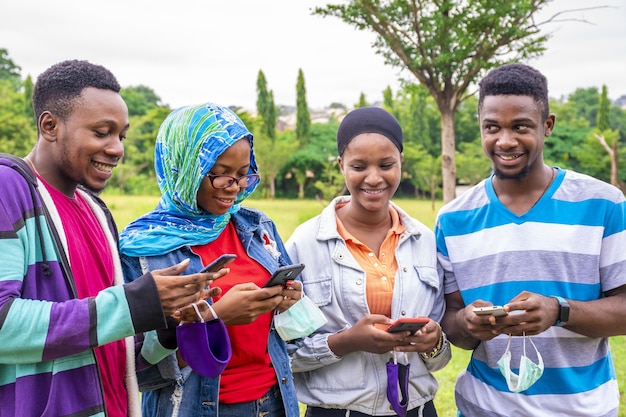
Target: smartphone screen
[
  {"x": 284, "y": 274},
  {"x": 410, "y": 324},
  {"x": 219, "y": 263}
]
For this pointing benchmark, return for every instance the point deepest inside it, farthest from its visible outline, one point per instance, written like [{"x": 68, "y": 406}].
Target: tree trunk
[
  {"x": 448, "y": 149},
  {"x": 273, "y": 187},
  {"x": 613, "y": 155}
]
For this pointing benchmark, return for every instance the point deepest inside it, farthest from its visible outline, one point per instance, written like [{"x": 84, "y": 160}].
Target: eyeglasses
[{"x": 225, "y": 181}]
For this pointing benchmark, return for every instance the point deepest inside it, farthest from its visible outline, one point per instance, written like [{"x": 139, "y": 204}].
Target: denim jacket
[
  {"x": 255, "y": 230},
  {"x": 335, "y": 282}
]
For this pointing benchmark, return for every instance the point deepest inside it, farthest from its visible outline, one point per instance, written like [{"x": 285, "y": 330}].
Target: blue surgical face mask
[{"x": 529, "y": 372}]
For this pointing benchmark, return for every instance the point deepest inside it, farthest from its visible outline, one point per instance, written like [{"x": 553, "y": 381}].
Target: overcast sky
[{"x": 191, "y": 51}]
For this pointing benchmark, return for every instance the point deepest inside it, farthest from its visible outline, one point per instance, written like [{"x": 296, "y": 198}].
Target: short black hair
[
  {"x": 57, "y": 88},
  {"x": 518, "y": 80}
]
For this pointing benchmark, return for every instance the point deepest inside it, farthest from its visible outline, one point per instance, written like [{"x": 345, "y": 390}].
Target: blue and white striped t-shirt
[{"x": 572, "y": 244}]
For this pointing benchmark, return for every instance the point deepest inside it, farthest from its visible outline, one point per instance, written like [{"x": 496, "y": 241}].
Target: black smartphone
[
  {"x": 408, "y": 324},
  {"x": 284, "y": 274},
  {"x": 219, "y": 263}
]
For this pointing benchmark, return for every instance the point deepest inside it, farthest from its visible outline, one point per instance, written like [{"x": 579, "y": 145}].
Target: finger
[{"x": 176, "y": 269}]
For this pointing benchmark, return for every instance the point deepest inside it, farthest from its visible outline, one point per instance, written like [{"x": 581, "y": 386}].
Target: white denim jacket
[{"x": 336, "y": 283}]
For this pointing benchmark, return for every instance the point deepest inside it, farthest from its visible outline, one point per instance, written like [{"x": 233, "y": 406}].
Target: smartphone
[
  {"x": 284, "y": 274},
  {"x": 496, "y": 311},
  {"x": 410, "y": 324},
  {"x": 219, "y": 263}
]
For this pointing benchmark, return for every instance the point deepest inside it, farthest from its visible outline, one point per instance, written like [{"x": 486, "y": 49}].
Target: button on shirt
[{"x": 380, "y": 270}]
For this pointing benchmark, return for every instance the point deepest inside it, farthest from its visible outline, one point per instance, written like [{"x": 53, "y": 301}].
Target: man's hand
[{"x": 176, "y": 290}]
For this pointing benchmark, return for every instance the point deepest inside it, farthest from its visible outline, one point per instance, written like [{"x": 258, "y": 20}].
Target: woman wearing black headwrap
[{"x": 368, "y": 264}]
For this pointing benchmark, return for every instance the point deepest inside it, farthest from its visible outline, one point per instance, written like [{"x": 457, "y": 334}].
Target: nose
[
  {"x": 506, "y": 139},
  {"x": 115, "y": 148},
  {"x": 373, "y": 176}
]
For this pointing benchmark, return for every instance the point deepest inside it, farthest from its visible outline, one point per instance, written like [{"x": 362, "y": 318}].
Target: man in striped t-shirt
[{"x": 549, "y": 245}]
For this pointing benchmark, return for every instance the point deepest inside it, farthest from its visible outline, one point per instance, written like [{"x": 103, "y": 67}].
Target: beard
[{"x": 520, "y": 175}]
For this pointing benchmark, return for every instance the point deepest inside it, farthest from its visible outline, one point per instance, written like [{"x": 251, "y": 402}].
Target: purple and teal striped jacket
[{"x": 47, "y": 365}]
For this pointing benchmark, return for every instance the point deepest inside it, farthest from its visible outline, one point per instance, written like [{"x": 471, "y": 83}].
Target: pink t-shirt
[{"x": 91, "y": 262}]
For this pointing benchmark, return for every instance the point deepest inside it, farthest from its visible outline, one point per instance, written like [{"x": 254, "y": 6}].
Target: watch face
[{"x": 564, "y": 313}]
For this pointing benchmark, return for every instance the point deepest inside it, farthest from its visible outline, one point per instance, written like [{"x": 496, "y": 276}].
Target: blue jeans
[{"x": 269, "y": 405}]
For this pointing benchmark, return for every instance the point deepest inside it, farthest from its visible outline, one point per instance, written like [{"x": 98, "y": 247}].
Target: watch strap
[{"x": 563, "y": 316}]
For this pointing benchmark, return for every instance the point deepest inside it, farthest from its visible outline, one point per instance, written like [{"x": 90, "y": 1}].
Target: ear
[
  {"x": 339, "y": 160},
  {"x": 549, "y": 125},
  {"x": 401, "y": 156},
  {"x": 48, "y": 126}
]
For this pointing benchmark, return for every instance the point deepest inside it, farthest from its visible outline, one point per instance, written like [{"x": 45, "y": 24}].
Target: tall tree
[
  {"x": 265, "y": 107},
  {"x": 446, "y": 45},
  {"x": 140, "y": 99},
  {"x": 9, "y": 71},
  {"x": 603, "y": 126},
  {"x": 303, "y": 117}
]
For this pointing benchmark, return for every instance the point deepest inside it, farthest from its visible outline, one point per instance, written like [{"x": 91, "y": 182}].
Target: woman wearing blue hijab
[{"x": 205, "y": 168}]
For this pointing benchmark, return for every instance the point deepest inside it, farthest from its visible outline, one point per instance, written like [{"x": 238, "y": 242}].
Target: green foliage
[
  {"x": 472, "y": 165},
  {"x": 17, "y": 129},
  {"x": 265, "y": 107},
  {"x": 140, "y": 100},
  {"x": 9, "y": 71},
  {"x": 603, "y": 122},
  {"x": 303, "y": 117},
  {"x": 136, "y": 175}
]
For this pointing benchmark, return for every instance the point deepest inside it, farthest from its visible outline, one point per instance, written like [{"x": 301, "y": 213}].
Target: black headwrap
[{"x": 368, "y": 120}]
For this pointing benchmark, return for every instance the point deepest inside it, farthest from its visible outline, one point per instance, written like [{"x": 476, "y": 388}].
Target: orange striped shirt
[{"x": 380, "y": 269}]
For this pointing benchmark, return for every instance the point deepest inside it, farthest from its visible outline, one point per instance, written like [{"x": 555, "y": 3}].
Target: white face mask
[
  {"x": 529, "y": 372},
  {"x": 299, "y": 320}
]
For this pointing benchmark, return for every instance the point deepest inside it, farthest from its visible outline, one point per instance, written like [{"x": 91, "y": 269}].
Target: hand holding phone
[
  {"x": 496, "y": 311},
  {"x": 411, "y": 324},
  {"x": 284, "y": 274},
  {"x": 219, "y": 263}
]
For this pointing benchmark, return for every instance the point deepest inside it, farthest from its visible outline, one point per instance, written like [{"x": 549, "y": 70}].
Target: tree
[
  {"x": 603, "y": 126},
  {"x": 362, "y": 102},
  {"x": 303, "y": 117},
  {"x": 446, "y": 45},
  {"x": 267, "y": 149},
  {"x": 140, "y": 99},
  {"x": 9, "y": 71},
  {"x": 265, "y": 107},
  {"x": 17, "y": 130}
]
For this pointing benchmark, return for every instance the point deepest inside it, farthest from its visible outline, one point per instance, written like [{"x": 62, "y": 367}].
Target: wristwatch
[{"x": 563, "y": 311}]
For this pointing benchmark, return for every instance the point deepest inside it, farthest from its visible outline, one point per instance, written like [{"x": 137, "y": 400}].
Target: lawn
[{"x": 289, "y": 213}]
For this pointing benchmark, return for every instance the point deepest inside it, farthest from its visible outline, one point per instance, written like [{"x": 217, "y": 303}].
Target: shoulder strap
[{"x": 25, "y": 171}]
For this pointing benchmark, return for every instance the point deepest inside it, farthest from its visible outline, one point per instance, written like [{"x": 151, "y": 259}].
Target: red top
[
  {"x": 91, "y": 262},
  {"x": 250, "y": 373}
]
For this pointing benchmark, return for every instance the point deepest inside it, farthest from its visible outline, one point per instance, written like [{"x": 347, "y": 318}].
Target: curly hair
[
  {"x": 518, "y": 80},
  {"x": 57, "y": 88}
]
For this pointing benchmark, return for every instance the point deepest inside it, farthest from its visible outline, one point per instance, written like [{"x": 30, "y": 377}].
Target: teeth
[
  {"x": 102, "y": 167},
  {"x": 373, "y": 191},
  {"x": 509, "y": 157}
]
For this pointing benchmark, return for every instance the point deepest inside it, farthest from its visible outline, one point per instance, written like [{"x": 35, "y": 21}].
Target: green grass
[{"x": 287, "y": 214}]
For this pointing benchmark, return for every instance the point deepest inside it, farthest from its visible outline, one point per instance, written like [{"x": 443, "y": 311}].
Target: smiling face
[
  {"x": 235, "y": 161},
  {"x": 513, "y": 134},
  {"x": 84, "y": 147},
  {"x": 372, "y": 166}
]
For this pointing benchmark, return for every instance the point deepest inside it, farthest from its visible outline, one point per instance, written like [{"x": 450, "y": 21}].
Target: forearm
[
  {"x": 598, "y": 318},
  {"x": 456, "y": 332}
]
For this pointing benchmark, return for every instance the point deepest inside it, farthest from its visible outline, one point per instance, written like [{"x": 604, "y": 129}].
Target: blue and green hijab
[{"x": 189, "y": 142}]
